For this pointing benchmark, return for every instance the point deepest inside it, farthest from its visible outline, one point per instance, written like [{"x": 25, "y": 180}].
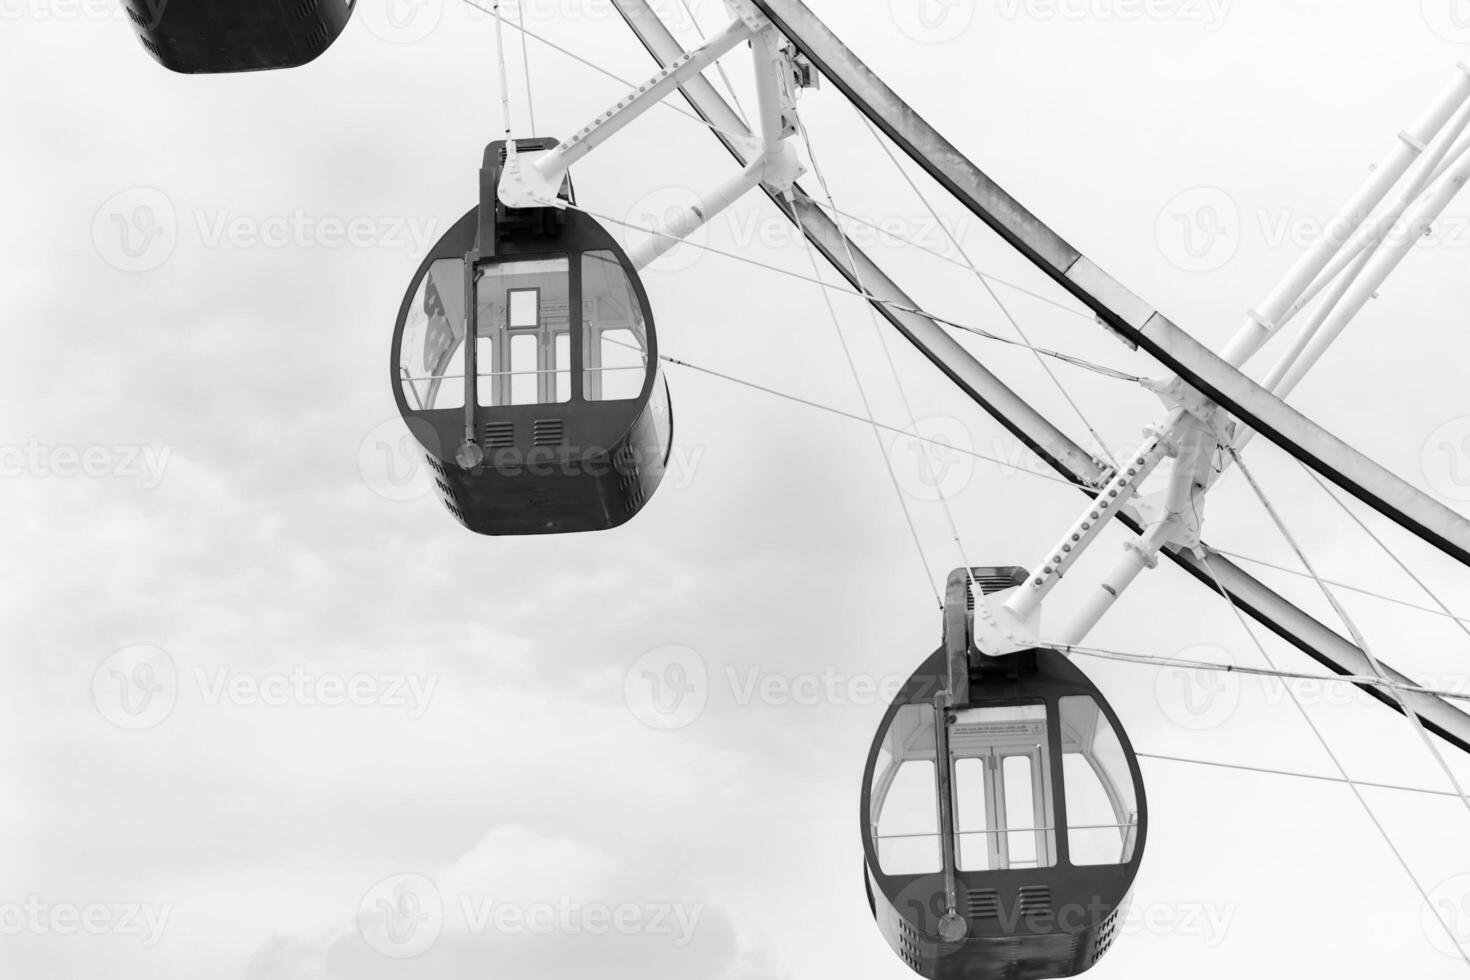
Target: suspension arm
[
  {"x": 1016, "y": 415},
  {"x": 536, "y": 184},
  {"x": 1118, "y": 308}
]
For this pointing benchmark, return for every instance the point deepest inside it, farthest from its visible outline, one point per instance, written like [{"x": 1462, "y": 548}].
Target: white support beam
[
  {"x": 1177, "y": 523},
  {"x": 1124, "y": 313},
  {"x": 1183, "y": 428},
  {"x": 1351, "y": 262},
  {"x": 536, "y": 185},
  {"x": 666, "y": 50},
  {"x": 1377, "y": 270},
  {"x": 1211, "y": 570},
  {"x": 776, "y": 165},
  {"x": 1441, "y": 125},
  {"x": 1408, "y": 148},
  {"x": 774, "y": 162},
  {"x": 1108, "y": 504},
  {"x": 682, "y": 223},
  {"x": 554, "y": 165},
  {"x": 1431, "y": 168}
]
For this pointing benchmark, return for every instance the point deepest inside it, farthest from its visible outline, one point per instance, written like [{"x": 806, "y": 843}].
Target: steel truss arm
[
  {"x": 1050, "y": 444},
  {"x": 768, "y": 156},
  {"x": 892, "y": 303},
  {"x": 1115, "y": 305}
]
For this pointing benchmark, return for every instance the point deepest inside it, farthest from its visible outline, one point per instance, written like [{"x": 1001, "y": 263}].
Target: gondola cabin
[
  {"x": 556, "y": 418},
  {"x": 1003, "y": 827},
  {"x": 214, "y": 36}
]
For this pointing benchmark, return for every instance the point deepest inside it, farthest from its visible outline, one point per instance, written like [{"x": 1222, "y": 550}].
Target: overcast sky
[{"x": 267, "y": 703}]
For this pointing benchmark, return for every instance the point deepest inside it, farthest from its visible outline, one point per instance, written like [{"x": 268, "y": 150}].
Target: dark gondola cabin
[
  {"x": 1002, "y": 828},
  {"x": 215, "y": 36},
  {"x": 556, "y": 419}
]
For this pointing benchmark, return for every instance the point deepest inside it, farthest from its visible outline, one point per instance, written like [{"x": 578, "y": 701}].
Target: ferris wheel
[{"x": 1004, "y": 814}]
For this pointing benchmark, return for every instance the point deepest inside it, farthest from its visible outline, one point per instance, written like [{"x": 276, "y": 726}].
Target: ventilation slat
[
  {"x": 1034, "y": 900},
  {"x": 499, "y": 435},
  {"x": 548, "y": 432},
  {"x": 984, "y": 904}
]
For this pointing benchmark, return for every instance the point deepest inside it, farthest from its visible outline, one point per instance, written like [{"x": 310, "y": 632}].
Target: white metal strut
[{"x": 1197, "y": 424}]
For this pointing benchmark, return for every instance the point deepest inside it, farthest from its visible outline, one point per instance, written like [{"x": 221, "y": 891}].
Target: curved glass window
[
  {"x": 614, "y": 335},
  {"x": 905, "y": 796},
  {"x": 1102, "y": 808},
  {"x": 523, "y": 328},
  {"x": 1002, "y": 788},
  {"x": 431, "y": 358}
]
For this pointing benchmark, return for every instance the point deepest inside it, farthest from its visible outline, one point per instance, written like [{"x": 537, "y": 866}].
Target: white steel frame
[
  {"x": 772, "y": 162},
  {"x": 1429, "y": 164},
  {"x": 1198, "y": 433}
]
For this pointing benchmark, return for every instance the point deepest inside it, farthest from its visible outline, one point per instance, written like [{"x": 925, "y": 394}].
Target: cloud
[{"x": 521, "y": 903}]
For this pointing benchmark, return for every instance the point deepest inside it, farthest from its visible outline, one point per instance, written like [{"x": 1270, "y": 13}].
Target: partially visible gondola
[
  {"x": 556, "y": 419},
  {"x": 1003, "y": 812},
  {"x": 216, "y": 36}
]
